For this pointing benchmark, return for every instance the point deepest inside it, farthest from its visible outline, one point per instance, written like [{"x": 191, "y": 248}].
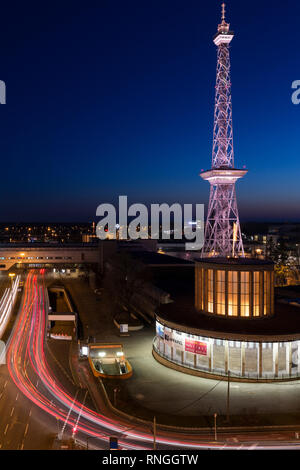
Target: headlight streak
[
  {"x": 6, "y": 304},
  {"x": 29, "y": 323},
  {"x": 27, "y": 343}
]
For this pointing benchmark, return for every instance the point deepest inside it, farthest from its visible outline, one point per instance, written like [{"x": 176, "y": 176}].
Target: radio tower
[{"x": 222, "y": 231}]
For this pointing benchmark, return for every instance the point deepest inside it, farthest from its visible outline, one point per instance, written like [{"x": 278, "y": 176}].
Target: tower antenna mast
[
  {"x": 222, "y": 231},
  {"x": 223, "y": 12}
]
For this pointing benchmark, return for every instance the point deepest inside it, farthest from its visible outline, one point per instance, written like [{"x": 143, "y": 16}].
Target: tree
[
  {"x": 280, "y": 255},
  {"x": 282, "y": 273},
  {"x": 271, "y": 249}
]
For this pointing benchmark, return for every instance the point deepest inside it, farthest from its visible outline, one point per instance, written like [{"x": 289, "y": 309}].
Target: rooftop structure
[
  {"x": 222, "y": 232},
  {"x": 230, "y": 324}
]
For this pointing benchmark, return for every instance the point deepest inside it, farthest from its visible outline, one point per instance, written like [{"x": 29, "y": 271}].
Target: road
[
  {"x": 36, "y": 405},
  {"x": 22, "y": 424}
]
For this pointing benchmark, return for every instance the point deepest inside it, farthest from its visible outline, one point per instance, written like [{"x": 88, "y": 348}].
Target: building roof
[
  {"x": 283, "y": 326},
  {"x": 235, "y": 261},
  {"x": 158, "y": 259}
]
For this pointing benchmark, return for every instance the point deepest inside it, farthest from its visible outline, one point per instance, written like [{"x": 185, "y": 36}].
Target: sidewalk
[
  {"x": 227, "y": 434},
  {"x": 176, "y": 398}
]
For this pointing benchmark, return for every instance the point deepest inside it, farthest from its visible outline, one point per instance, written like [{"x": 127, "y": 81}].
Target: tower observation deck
[
  {"x": 228, "y": 322},
  {"x": 222, "y": 231}
]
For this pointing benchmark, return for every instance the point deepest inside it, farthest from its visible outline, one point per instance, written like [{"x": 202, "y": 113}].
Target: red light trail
[{"x": 26, "y": 348}]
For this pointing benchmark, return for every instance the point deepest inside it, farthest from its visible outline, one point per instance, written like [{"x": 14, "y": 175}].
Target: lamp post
[
  {"x": 124, "y": 432},
  {"x": 215, "y": 421},
  {"x": 154, "y": 433},
  {"x": 153, "y": 429},
  {"x": 116, "y": 390},
  {"x": 228, "y": 396},
  {"x": 12, "y": 275}
]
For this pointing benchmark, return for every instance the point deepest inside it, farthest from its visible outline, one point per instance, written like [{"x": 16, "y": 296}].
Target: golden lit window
[
  {"x": 233, "y": 293},
  {"x": 245, "y": 301},
  {"x": 210, "y": 297},
  {"x": 221, "y": 292},
  {"x": 266, "y": 291},
  {"x": 256, "y": 300}
]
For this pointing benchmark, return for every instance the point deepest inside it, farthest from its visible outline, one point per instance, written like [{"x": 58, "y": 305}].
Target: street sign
[
  {"x": 113, "y": 443},
  {"x": 124, "y": 328}
]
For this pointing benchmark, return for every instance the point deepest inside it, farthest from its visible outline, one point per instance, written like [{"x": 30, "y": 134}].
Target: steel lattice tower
[{"x": 222, "y": 231}]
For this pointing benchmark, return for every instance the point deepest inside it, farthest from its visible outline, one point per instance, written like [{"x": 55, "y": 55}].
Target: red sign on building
[
  {"x": 196, "y": 347},
  {"x": 201, "y": 348},
  {"x": 190, "y": 345}
]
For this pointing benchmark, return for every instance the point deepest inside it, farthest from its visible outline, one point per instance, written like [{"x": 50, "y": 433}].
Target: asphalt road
[
  {"x": 35, "y": 404},
  {"x": 22, "y": 425}
]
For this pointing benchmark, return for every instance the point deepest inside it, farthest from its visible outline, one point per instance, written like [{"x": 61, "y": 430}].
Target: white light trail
[{"x": 7, "y": 302}]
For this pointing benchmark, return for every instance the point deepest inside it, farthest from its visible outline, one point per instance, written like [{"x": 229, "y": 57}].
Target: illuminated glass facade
[
  {"x": 251, "y": 360},
  {"x": 229, "y": 289},
  {"x": 233, "y": 294},
  {"x": 235, "y": 289},
  {"x": 256, "y": 292},
  {"x": 220, "y": 292}
]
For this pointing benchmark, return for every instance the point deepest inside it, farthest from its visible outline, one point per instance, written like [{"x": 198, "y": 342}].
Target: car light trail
[
  {"x": 27, "y": 347},
  {"x": 6, "y": 304}
]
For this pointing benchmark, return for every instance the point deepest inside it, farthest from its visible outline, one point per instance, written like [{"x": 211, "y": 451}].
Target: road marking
[
  {"x": 0, "y": 446},
  {"x": 12, "y": 411},
  {"x": 5, "y": 384},
  {"x": 30, "y": 412},
  {"x": 17, "y": 396},
  {"x": 1, "y": 395},
  {"x": 26, "y": 429},
  {"x": 22, "y": 446},
  {"x": 6, "y": 429}
]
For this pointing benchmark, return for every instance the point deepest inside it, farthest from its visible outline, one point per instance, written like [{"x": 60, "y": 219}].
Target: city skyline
[
  {"x": 173, "y": 329},
  {"x": 116, "y": 99}
]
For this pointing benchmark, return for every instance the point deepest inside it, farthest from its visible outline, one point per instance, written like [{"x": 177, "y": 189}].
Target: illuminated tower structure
[
  {"x": 223, "y": 236},
  {"x": 227, "y": 323}
]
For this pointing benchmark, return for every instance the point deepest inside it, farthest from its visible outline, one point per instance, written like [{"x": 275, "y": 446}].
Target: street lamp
[
  {"x": 22, "y": 258},
  {"x": 11, "y": 275},
  {"x": 215, "y": 418},
  {"x": 116, "y": 390},
  {"x": 228, "y": 396},
  {"x": 153, "y": 429}
]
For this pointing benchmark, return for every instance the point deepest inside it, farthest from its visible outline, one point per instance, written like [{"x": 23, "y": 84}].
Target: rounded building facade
[
  {"x": 233, "y": 325},
  {"x": 213, "y": 355},
  {"x": 234, "y": 287}
]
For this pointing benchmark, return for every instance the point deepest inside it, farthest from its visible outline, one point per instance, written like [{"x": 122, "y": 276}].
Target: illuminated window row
[
  {"x": 234, "y": 293},
  {"x": 218, "y": 356},
  {"x": 35, "y": 257}
]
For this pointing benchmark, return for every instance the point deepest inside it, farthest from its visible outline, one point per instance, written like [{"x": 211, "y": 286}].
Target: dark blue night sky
[{"x": 114, "y": 97}]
